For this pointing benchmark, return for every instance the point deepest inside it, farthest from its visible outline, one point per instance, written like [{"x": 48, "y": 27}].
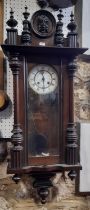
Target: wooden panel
[
  {"x": 50, "y": 160},
  {"x": 1, "y": 41}
]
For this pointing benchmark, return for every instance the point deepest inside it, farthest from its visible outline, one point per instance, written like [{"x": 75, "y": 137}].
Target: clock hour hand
[{"x": 43, "y": 79}]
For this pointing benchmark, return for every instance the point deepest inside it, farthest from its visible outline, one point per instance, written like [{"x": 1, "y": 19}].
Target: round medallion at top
[{"x": 43, "y": 23}]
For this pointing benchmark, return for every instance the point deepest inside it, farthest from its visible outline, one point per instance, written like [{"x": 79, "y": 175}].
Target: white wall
[
  {"x": 83, "y": 19},
  {"x": 85, "y": 157},
  {"x": 86, "y": 24}
]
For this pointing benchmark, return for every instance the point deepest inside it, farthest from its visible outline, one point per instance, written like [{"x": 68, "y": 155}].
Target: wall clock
[{"x": 44, "y": 139}]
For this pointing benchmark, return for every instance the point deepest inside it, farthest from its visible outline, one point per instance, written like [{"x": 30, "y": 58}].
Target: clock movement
[{"x": 43, "y": 63}]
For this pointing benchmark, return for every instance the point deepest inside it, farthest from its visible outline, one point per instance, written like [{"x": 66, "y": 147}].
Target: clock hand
[{"x": 43, "y": 79}]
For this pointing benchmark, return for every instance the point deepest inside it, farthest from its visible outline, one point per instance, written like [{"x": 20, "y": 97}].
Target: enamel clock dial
[{"x": 43, "y": 79}]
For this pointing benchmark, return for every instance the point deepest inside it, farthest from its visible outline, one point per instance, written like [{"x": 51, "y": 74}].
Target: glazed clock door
[{"x": 43, "y": 114}]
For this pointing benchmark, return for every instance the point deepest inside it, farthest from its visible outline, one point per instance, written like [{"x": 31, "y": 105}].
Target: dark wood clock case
[{"x": 44, "y": 139}]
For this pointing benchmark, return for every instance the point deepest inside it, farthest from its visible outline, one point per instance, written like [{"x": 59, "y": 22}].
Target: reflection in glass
[{"x": 43, "y": 117}]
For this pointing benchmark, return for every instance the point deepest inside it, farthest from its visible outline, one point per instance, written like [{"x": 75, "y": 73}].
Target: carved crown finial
[
  {"x": 12, "y": 22},
  {"x": 42, "y": 3}
]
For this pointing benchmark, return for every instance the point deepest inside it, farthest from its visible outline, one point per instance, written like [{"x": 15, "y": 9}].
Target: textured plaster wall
[
  {"x": 82, "y": 92},
  {"x": 22, "y": 196}
]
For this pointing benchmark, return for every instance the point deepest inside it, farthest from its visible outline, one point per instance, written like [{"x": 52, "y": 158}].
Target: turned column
[
  {"x": 15, "y": 65},
  {"x": 17, "y": 137},
  {"x": 71, "y": 135},
  {"x": 59, "y": 36},
  {"x": 26, "y": 34}
]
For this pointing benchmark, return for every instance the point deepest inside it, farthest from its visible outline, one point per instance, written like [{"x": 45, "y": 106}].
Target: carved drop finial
[
  {"x": 16, "y": 178},
  {"x": 43, "y": 193},
  {"x": 72, "y": 174},
  {"x": 42, "y": 183},
  {"x": 12, "y": 22},
  {"x": 59, "y": 40}
]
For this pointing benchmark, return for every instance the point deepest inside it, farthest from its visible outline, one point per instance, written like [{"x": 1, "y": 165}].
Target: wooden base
[{"x": 50, "y": 168}]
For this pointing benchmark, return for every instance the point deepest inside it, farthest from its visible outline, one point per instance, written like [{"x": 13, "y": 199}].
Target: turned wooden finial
[
  {"x": 12, "y": 31},
  {"x": 59, "y": 40},
  {"x": 12, "y": 22},
  {"x": 26, "y": 34},
  {"x": 72, "y": 35},
  {"x": 26, "y": 13}
]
